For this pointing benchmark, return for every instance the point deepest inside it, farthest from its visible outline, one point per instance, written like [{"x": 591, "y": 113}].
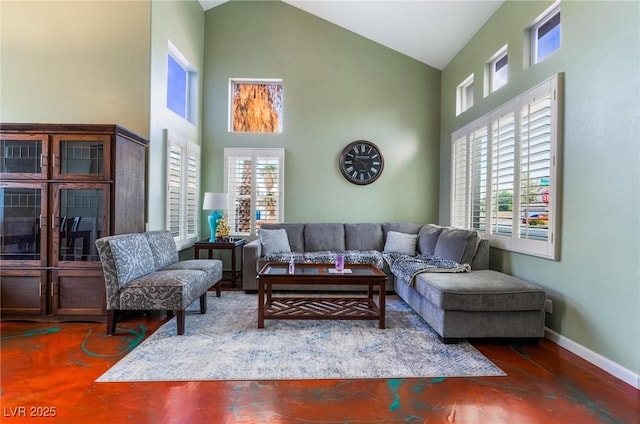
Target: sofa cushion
[
  {"x": 401, "y": 243},
  {"x": 212, "y": 267},
  {"x": 295, "y": 234},
  {"x": 482, "y": 290},
  {"x": 363, "y": 237},
  {"x": 274, "y": 241},
  {"x": 169, "y": 289},
  {"x": 162, "y": 247},
  {"x": 132, "y": 256},
  {"x": 321, "y": 236},
  {"x": 427, "y": 238},
  {"x": 401, "y": 227},
  {"x": 457, "y": 245}
]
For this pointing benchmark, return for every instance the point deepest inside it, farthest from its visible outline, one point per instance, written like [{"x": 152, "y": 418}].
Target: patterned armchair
[{"x": 142, "y": 272}]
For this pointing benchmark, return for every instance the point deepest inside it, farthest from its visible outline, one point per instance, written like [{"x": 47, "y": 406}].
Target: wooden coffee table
[{"x": 322, "y": 305}]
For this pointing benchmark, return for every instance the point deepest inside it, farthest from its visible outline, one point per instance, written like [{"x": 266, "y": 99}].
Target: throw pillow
[
  {"x": 274, "y": 241},
  {"x": 457, "y": 245},
  {"x": 401, "y": 243},
  {"x": 427, "y": 239},
  {"x": 132, "y": 256},
  {"x": 163, "y": 248}
]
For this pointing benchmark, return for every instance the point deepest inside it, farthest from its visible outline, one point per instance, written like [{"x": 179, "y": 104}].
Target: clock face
[{"x": 361, "y": 162}]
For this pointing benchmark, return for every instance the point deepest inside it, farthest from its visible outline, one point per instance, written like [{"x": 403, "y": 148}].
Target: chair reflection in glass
[{"x": 70, "y": 233}]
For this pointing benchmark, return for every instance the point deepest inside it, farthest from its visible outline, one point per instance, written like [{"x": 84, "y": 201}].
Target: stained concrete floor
[{"x": 49, "y": 369}]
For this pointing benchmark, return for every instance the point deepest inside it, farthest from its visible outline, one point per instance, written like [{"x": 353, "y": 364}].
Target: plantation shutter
[
  {"x": 478, "y": 173},
  {"x": 267, "y": 193},
  {"x": 502, "y": 171},
  {"x": 239, "y": 176},
  {"x": 459, "y": 181},
  {"x": 192, "y": 216},
  {"x": 174, "y": 188},
  {"x": 539, "y": 113},
  {"x": 254, "y": 181},
  {"x": 183, "y": 179},
  {"x": 535, "y": 164}
]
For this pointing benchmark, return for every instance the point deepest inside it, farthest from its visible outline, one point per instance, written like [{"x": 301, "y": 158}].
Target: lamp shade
[{"x": 215, "y": 201}]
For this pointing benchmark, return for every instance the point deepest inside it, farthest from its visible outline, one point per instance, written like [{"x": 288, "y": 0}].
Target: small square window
[
  {"x": 545, "y": 35},
  {"x": 181, "y": 83},
  {"x": 255, "y": 106},
  {"x": 499, "y": 73},
  {"x": 464, "y": 95},
  {"x": 176, "y": 87}
]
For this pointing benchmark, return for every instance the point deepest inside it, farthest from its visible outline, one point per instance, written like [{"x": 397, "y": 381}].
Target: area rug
[{"x": 225, "y": 344}]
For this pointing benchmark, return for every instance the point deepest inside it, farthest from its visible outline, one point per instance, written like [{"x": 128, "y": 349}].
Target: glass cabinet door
[
  {"x": 23, "y": 156},
  {"x": 81, "y": 157},
  {"x": 79, "y": 218},
  {"x": 23, "y": 208}
]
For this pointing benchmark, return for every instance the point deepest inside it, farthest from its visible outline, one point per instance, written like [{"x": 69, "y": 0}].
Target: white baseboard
[{"x": 596, "y": 359}]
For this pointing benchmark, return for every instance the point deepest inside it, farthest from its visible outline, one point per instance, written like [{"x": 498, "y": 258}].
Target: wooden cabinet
[{"x": 61, "y": 188}]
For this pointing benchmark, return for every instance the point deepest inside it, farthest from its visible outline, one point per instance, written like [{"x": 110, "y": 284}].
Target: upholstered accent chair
[{"x": 142, "y": 272}]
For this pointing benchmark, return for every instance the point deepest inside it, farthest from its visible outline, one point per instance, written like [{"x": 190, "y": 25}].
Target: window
[
  {"x": 183, "y": 176},
  {"x": 504, "y": 173},
  {"x": 545, "y": 34},
  {"x": 464, "y": 95},
  {"x": 498, "y": 70},
  {"x": 254, "y": 179},
  {"x": 180, "y": 85},
  {"x": 255, "y": 105}
]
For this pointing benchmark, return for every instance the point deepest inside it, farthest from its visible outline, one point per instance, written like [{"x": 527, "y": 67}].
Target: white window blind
[
  {"x": 478, "y": 178},
  {"x": 459, "y": 182},
  {"x": 536, "y": 167},
  {"x": 504, "y": 172},
  {"x": 255, "y": 182},
  {"x": 174, "y": 188},
  {"x": 183, "y": 177}
]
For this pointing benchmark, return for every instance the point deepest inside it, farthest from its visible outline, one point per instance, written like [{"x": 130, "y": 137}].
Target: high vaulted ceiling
[{"x": 430, "y": 31}]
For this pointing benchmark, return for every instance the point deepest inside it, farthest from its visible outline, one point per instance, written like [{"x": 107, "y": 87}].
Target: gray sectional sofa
[{"x": 459, "y": 296}]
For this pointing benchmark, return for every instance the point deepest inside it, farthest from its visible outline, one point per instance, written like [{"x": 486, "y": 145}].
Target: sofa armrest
[{"x": 251, "y": 252}]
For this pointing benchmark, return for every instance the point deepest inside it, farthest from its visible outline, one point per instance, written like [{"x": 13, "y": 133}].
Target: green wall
[
  {"x": 105, "y": 62},
  {"x": 338, "y": 87},
  {"x": 595, "y": 285},
  {"x": 75, "y": 62},
  {"x": 101, "y": 62},
  {"x": 182, "y": 24}
]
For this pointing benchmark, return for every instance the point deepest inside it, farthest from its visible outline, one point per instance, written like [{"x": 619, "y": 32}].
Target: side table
[{"x": 233, "y": 276}]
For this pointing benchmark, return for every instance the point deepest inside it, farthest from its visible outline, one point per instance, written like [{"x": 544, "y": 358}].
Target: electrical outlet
[{"x": 548, "y": 306}]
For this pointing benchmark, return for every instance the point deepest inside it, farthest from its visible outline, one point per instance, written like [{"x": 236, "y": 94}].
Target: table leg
[
  {"x": 241, "y": 266},
  {"x": 381, "y": 301},
  {"x": 260, "y": 304},
  {"x": 233, "y": 266}
]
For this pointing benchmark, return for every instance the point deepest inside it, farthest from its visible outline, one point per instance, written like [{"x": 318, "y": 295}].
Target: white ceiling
[{"x": 430, "y": 31}]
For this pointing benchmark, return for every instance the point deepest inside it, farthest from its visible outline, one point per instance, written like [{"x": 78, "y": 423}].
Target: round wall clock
[{"x": 361, "y": 162}]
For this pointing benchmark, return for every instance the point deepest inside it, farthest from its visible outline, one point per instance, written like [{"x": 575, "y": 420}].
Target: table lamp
[{"x": 215, "y": 202}]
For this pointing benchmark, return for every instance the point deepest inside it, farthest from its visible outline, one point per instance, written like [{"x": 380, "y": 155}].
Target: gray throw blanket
[{"x": 406, "y": 267}]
